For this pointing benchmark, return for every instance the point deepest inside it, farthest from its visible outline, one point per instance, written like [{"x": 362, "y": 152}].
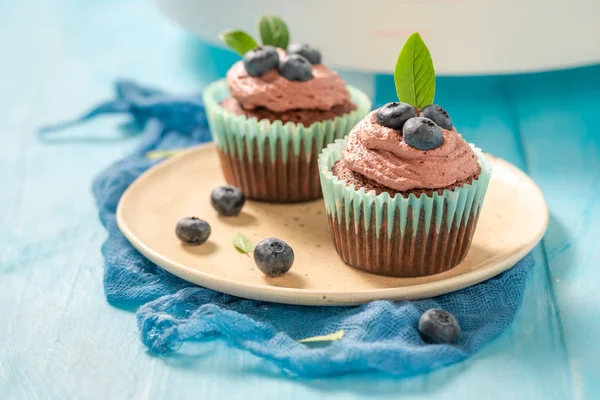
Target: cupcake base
[
  {"x": 404, "y": 234},
  {"x": 271, "y": 179},
  {"x": 409, "y": 254},
  {"x": 275, "y": 161}
]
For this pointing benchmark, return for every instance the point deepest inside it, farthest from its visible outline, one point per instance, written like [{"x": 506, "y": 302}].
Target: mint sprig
[
  {"x": 243, "y": 244},
  {"x": 273, "y": 31},
  {"x": 414, "y": 74},
  {"x": 325, "y": 338},
  {"x": 238, "y": 41},
  {"x": 160, "y": 154}
]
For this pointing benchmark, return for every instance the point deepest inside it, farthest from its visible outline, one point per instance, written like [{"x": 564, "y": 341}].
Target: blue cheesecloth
[{"x": 379, "y": 336}]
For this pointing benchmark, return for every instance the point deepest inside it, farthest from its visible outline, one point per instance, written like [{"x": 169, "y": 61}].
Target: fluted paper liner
[
  {"x": 401, "y": 236},
  {"x": 272, "y": 161}
]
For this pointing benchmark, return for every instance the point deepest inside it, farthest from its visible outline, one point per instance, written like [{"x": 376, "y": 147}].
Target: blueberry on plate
[
  {"x": 395, "y": 115},
  {"x": 438, "y": 115},
  {"x": 261, "y": 60},
  {"x": 294, "y": 67},
  {"x": 192, "y": 230},
  {"x": 422, "y": 134},
  {"x": 274, "y": 257},
  {"x": 227, "y": 200},
  {"x": 307, "y": 51},
  {"x": 439, "y": 326}
]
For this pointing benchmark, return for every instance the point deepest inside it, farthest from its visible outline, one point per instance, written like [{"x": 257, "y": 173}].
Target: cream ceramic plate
[{"x": 513, "y": 221}]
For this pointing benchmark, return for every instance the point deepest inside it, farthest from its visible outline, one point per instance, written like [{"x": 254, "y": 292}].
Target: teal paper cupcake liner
[
  {"x": 272, "y": 161},
  {"x": 401, "y": 235}
]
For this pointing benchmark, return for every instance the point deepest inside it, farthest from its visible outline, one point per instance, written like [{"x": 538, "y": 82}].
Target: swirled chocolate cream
[
  {"x": 384, "y": 159},
  {"x": 280, "y": 86}
]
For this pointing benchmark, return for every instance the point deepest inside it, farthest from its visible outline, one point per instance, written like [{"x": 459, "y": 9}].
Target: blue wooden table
[{"x": 59, "y": 339}]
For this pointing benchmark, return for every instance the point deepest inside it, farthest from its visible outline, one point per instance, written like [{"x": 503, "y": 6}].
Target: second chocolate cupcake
[
  {"x": 273, "y": 115},
  {"x": 404, "y": 191}
]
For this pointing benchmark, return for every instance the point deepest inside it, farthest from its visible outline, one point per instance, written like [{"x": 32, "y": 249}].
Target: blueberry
[
  {"x": 294, "y": 67},
  {"x": 273, "y": 257},
  {"x": 439, "y": 326},
  {"x": 438, "y": 115},
  {"x": 227, "y": 200},
  {"x": 261, "y": 60},
  {"x": 395, "y": 115},
  {"x": 422, "y": 134},
  {"x": 307, "y": 51},
  {"x": 192, "y": 230}
]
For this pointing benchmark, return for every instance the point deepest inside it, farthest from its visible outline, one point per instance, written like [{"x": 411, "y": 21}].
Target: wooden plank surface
[
  {"x": 561, "y": 141},
  {"x": 59, "y": 339}
]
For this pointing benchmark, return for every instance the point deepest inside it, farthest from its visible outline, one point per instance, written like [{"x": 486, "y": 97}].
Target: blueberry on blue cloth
[{"x": 439, "y": 326}]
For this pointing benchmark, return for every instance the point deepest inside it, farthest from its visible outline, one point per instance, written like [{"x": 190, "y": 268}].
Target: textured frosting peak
[
  {"x": 380, "y": 154},
  {"x": 278, "y": 94}
]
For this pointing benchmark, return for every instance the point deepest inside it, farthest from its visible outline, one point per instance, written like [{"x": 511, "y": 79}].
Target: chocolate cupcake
[
  {"x": 403, "y": 192},
  {"x": 274, "y": 113}
]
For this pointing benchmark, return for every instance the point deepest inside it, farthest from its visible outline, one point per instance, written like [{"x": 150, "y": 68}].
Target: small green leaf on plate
[
  {"x": 160, "y": 154},
  {"x": 238, "y": 41},
  {"x": 243, "y": 244},
  {"x": 325, "y": 338},
  {"x": 273, "y": 31},
  {"x": 414, "y": 74}
]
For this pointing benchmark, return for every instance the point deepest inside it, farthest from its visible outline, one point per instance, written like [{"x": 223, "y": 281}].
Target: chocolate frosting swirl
[
  {"x": 381, "y": 155},
  {"x": 272, "y": 91}
]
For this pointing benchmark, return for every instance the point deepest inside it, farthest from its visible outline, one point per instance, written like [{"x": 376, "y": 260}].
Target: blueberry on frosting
[
  {"x": 422, "y": 134},
  {"x": 438, "y": 115},
  {"x": 307, "y": 51},
  {"x": 394, "y": 115},
  {"x": 261, "y": 60},
  {"x": 294, "y": 67}
]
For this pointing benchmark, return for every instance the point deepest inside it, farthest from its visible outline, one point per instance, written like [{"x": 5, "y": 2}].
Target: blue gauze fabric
[{"x": 381, "y": 335}]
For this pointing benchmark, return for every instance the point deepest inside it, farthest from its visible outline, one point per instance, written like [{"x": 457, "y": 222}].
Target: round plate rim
[{"x": 320, "y": 297}]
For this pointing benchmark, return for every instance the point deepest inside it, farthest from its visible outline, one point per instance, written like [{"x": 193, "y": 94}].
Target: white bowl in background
[{"x": 466, "y": 37}]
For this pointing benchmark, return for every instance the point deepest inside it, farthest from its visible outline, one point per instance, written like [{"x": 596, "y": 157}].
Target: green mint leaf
[
  {"x": 414, "y": 74},
  {"x": 273, "y": 31},
  {"x": 243, "y": 244},
  {"x": 160, "y": 154},
  {"x": 325, "y": 338},
  {"x": 238, "y": 41}
]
